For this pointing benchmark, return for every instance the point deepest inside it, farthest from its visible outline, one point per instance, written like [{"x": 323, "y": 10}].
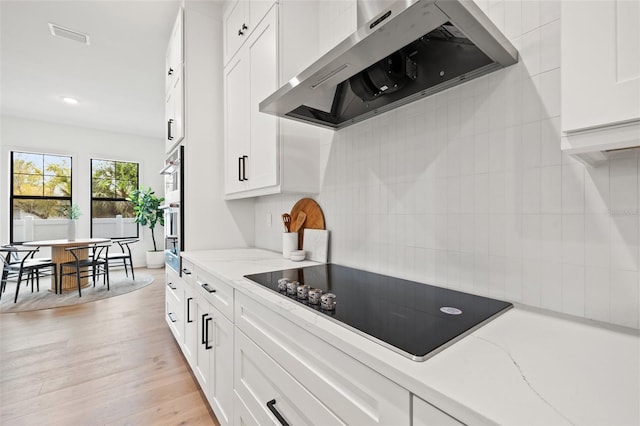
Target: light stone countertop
[{"x": 524, "y": 367}]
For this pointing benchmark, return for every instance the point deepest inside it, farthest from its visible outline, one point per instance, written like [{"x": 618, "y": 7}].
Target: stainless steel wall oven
[{"x": 173, "y": 172}]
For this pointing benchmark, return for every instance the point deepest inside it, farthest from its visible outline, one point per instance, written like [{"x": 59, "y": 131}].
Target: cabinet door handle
[
  {"x": 206, "y": 340},
  {"x": 170, "y": 285},
  {"x": 189, "y": 309},
  {"x": 271, "y": 406},
  {"x": 170, "y": 315},
  {"x": 240, "y": 33},
  {"x": 170, "y": 71},
  {"x": 209, "y": 289},
  {"x": 240, "y": 169},
  {"x": 204, "y": 329},
  {"x": 244, "y": 167},
  {"x": 186, "y": 271},
  {"x": 244, "y": 27},
  {"x": 169, "y": 135}
]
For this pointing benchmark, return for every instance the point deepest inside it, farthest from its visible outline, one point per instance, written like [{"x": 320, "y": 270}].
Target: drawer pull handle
[
  {"x": 170, "y": 315},
  {"x": 205, "y": 336},
  {"x": 207, "y": 346},
  {"x": 189, "y": 309},
  {"x": 186, "y": 271},
  {"x": 271, "y": 406},
  {"x": 209, "y": 289},
  {"x": 170, "y": 285}
]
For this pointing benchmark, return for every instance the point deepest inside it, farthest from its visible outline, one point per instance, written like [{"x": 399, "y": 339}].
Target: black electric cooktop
[{"x": 414, "y": 319}]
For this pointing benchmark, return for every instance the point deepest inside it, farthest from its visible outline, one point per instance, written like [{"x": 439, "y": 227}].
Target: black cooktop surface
[{"x": 414, "y": 319}]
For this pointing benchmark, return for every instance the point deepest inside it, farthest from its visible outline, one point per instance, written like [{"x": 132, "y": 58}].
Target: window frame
[
  {"x": 13, "y": 197},
  {"x": 110, "y": 199}
]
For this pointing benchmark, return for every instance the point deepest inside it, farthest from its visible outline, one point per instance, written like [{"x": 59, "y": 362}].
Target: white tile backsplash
[{"x": 468, "y": 189}]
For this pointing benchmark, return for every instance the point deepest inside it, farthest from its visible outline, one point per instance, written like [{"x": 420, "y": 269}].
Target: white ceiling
[{"x": 118, "y": 79}]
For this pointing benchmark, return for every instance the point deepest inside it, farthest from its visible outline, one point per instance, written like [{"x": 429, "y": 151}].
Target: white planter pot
[
  {"x": 155, "y": 259},
  {"x": 71, "y": 229}
]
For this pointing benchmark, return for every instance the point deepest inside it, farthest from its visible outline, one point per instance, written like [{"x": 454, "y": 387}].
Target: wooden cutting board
[{"x": 315, "y": 217}]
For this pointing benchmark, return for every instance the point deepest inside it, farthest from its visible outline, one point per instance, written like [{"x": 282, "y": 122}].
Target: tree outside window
[
  {"x": 40, "y": 196},
  {"x": 111, "y": 211}
]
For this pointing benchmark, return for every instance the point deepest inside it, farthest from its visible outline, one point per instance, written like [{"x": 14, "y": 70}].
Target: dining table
[{"x": 60, "y": 255}]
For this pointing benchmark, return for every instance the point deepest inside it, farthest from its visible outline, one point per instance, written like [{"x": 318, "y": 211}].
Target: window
[
  {"x": 111, "y": 211},
  {"x": 40, "y": 196}
]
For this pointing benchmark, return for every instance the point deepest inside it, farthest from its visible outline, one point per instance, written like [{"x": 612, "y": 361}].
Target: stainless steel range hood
[{"x": 405, "y": 50}]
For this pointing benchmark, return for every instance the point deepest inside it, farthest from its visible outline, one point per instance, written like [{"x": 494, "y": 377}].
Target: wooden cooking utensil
[
  {"x": 286, "y": 219},
  {"x": 302, "y": 216},
  {"x": 315, "y": 218}
]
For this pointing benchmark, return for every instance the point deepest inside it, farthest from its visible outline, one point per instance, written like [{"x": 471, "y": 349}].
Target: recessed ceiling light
[{"x": 70, "y": 100}]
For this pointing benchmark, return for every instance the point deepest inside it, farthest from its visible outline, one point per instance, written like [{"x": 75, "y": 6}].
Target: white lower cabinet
[
  {"x": 354, "y": 393},
  {"x": 270, "y": 394},
  {"x": 259, "y": 367},
  {"x": 174, "y": 309}
]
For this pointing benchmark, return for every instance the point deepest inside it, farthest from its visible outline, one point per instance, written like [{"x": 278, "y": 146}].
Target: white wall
[
  {"x": 468, "y": 189},
  {"x": 82, "y": 145}
]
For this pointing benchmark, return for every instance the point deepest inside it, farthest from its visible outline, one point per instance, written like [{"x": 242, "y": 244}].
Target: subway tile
[
  {"x": 513, "y": 279},
  {"x": 551, "y": 196},
  {"x": 551, "y": 237},
  {"x": 531, "y": 138},
  {"x": 513, "y": 18},
  {"x": 550, "y": 11},
  {"x": 530, "y": 51},
  {"x": 531, "y": 234},
  {"x": 531, "y": 279},
  {"x": 573, "y": 290},
  {"x": 573, "y": 239},
  {"x": 573, "y": 189},
  {"x": 550, "y": 151},
  {"x": 624, "y": 186},
  {"x": 624, "y": 298},
  {"x": 481, "y": 193},
  {"x": 497, "y": 196},
  {"x": 531, "y": 191},
  {"x": 481, "y": 152},
  {"x": 597, "y": 293},
  {"x": 550, "y": 93},
  {"x": 550, "y": 46},
  {"x": 531, "y": 15},
  {"x": 497, "y": 235},
  {"x": 551, "y": 286},
  {"x": 624, "y": 242},
  {"x": 597, "y": 240},
  {"x": 481, "y": 274},
  {"x": 481, "y": 231},
  {"x": 497, "y": 276}
]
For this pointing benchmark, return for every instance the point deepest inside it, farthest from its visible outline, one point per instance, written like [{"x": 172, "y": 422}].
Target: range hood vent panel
[{"x": 425, "y": 46}]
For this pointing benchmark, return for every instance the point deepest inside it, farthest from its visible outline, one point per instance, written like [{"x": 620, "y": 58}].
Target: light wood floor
[{"x": 109, "y": 362}]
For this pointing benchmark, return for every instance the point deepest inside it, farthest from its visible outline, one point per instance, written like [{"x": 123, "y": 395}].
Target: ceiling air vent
[{"x": 63, "y": 32}]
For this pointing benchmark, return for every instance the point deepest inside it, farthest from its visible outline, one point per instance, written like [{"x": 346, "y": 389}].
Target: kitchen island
[{"x": 524, "y": 367}]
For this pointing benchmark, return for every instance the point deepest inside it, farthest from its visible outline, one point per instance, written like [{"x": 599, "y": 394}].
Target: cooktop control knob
[
  {"x": 292, "y": 287},
  {"x": 282, "y": 284},
  {"x": 314, "y": 296},
  {"x": 328, "y": 301},
  {"x": 303, "y": 292}
]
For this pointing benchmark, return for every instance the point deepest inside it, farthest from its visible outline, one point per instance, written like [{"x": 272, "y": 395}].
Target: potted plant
[{"x": 146, "y": 207}]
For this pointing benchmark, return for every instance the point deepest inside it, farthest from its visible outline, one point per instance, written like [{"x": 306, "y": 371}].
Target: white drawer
[
  {"x": 173, "y": 315},
  {"x": 261, "y": 383},
  {"x": 174, "y": 285},
  {"x": 357, "y": 394},
  {"x": 216, "y": 292},
  {"x": 188, "y": 272}
]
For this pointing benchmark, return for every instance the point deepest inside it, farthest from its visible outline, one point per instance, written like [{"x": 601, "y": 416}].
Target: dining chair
[
  {"x": 124, "y": 255},
  {"x": 90, "y": 261},
  {"x": 20, "y": 261}
]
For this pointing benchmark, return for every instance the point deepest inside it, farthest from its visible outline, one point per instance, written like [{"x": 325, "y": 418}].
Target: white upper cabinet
[
  {"x": 266, "y": 155},
  {"x": 174, "y": 89},
  {"x": 600, "y": 77},
  {"x": 240, "y": 19}
]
